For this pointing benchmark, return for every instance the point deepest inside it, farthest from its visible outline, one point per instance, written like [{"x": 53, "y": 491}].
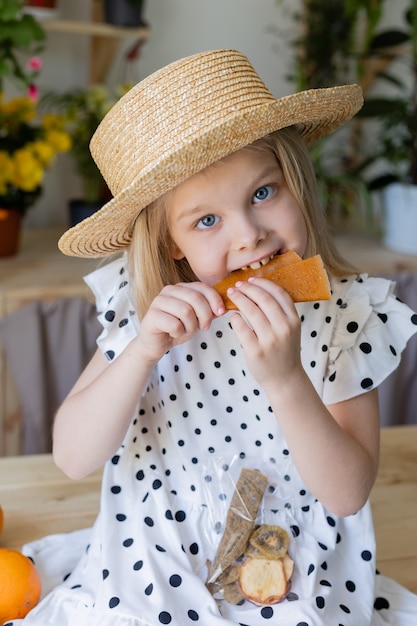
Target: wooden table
[{"x": 38, "y": 500}]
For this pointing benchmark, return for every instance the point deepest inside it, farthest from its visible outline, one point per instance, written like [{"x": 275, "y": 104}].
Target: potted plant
[
  {"x": 127, "y": 13},
  {"x": 331, "y": 47},
  {"x": 82, "y": 111},
  {"x": 27, "y": 149},
  {"x": 396, "y": 151},
  {"x": 20, "y": 34}
]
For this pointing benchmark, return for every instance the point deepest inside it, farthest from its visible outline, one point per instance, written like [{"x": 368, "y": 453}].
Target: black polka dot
[
  {"x": 352, "y": 327},
  {"x": 193, "y": 615},
  {"x": 110, "y": 315},
  {"x": 127, "y": 542},
  {"x": 113, "y": 602},
  {"x": 366, "y": 555},
  {"x": 350, "y": 586},
  {"x": 295, "y": 530},
  {"x": 344, "y": 608},
  {"x": 383, "y": 317},
  {"x": 367, "y": 383},
  {"x": 105, "y": 573},
  {"x": 267, "y": 612},
  {"x": 164, "y": 617},
  {"x": 175, "y": 580},
  {"x": 381, "y": 603},
  {"x": 138, "y": 565},
  {"x": 149, "y": 589},
  {"x": 365, "y": 347},
  {"x": 320, "y": 602}
]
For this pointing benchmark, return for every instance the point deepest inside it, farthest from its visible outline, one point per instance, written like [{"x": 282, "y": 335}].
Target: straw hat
[{"x": 181, "y": 119}]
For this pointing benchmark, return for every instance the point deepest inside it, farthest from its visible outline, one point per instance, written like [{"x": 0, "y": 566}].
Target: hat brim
[{"x": 316, "y": 113}]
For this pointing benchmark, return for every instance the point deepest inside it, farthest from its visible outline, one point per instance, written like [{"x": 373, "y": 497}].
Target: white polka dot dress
[{"x": 200, "y": 421}]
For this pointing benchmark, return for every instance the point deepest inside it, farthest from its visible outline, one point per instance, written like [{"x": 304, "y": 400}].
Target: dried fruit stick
[{"x": 240, "y": 520}]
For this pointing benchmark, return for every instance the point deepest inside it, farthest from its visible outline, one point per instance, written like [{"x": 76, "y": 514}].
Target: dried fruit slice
[
  {"x": 263, "y": 581},
  {"x": 270, "y": 541},
  {"x": 304, "y": 279},
  {"x": 288, "y": 565}
]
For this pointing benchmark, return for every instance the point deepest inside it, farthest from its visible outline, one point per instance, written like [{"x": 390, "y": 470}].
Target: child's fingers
[
  {"x": 189, "y": 304},
  {"x": 262, "y": 295}
]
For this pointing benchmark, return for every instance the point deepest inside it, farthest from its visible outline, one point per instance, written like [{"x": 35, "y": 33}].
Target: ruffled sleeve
[
  {"x": 110, "y": 286},
  {"x": 371, "y": 330}
]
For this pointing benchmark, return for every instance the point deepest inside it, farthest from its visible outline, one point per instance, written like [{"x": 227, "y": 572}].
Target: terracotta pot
[
  {"x": 42, "y": 9},
  {"x": 10, "y": 229}
]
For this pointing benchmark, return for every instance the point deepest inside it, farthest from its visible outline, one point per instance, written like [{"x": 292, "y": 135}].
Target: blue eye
[
  {"x": 263, "y": 193},
  {"x": 208, "y": 221}
]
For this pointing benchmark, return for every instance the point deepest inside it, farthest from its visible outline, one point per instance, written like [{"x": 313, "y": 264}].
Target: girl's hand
[
  {"x": 268, "y": 330},
  {"x": 175, "y": 315}
]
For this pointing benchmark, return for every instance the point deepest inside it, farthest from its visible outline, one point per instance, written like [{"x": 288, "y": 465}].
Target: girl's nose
[{"x": 247, "y": 233}]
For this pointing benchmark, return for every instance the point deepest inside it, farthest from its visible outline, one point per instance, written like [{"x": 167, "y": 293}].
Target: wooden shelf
[{"x": 97, "y": 29}]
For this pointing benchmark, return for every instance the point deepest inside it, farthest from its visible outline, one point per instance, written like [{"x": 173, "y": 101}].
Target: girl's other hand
[
  {"x": 176, "y": 314},
  {"x": 269, "y": 330}
]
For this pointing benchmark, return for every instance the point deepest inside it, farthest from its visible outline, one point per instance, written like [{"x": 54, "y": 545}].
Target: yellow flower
[
  {"x": 27, "y": 171},
  {"x": 59, "y": 140},
  {"x": 21, "y": 108},
  {"x": 52, "y": 121},
  {"x": 6, "y": 169},
  {"x": 43, "y": 151}
]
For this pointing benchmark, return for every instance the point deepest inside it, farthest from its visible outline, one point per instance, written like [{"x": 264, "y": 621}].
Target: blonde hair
[{"x": 150, "y": 261}]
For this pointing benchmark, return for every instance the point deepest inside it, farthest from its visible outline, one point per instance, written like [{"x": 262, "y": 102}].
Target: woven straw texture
[{"x": 181, "y": 119}]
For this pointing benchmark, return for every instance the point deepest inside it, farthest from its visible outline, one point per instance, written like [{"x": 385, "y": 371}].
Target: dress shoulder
[
  {"x": 372, "y": 327},
  {"x": 116, "y": 313}
]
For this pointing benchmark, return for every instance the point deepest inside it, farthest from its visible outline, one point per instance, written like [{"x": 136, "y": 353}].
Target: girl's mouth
[{"x": 257, "y": 264}]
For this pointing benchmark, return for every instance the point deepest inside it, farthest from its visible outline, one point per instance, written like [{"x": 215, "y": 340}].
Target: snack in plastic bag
[{"x": 251, "y": 562}]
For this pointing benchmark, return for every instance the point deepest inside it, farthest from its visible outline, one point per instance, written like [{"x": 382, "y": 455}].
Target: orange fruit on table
[{"x": 20, "y": 585}]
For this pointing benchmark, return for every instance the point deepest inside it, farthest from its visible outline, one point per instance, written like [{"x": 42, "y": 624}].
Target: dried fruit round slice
[
  {"x": 263, "y": 581},
  {"x": 271, "y": 541}
]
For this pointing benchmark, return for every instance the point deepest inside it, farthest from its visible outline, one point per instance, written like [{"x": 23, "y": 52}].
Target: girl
[{"x": 209, "y": 174}]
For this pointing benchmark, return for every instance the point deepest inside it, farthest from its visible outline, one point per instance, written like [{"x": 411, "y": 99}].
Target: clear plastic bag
[{"x": 251, "y": 558}]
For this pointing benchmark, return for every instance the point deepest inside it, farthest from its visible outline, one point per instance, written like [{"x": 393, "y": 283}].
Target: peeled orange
[{"x": 20, "y": 585}]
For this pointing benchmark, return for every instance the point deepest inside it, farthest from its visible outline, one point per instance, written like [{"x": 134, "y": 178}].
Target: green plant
[
  {"x": 27, "y": 149},
  {"x": 396, "y": 115},
  {"x": 83, "y": 110},
  {"x": 19, "y": 33},
  {"x": 332, "y": 47}
]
